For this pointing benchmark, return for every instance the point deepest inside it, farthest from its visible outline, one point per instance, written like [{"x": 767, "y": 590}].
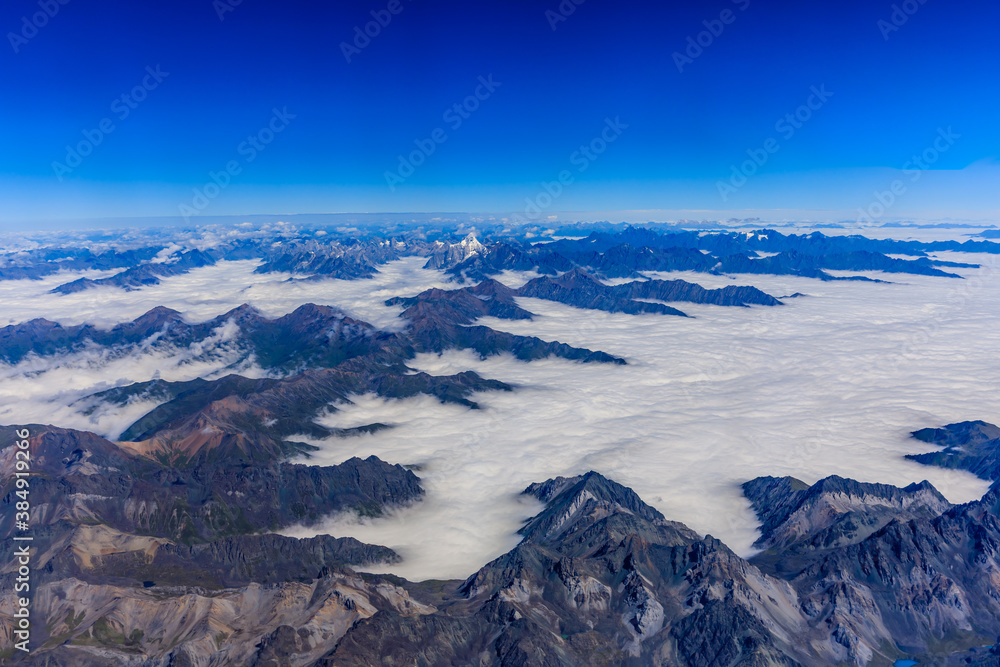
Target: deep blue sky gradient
[{"x": 608, "y": 59}]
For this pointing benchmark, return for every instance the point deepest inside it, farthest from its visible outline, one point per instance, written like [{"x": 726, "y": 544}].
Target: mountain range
[
  {"x": 161, "y": 545},
  {"x": 625, "y": 253},
  {"x": 848, "y": 573}
]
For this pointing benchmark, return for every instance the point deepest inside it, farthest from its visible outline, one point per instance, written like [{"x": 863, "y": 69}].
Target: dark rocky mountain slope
[
  {"x": 798, "y": 520},
  {"x": 136, "y": 277},
  {"x": 972, "y": 446},
  {"x": 82, "y": 477},
  {"x": 599, "y": 578},
  {"x": 311, "y": 335},
  {"x": 633, "y": 250}
]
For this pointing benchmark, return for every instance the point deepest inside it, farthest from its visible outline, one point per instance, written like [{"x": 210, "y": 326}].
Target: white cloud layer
[
  {"x": 206, "y": 292},
  {"x": 55, "y": 389},
  {"x": 831, "y": 383}
]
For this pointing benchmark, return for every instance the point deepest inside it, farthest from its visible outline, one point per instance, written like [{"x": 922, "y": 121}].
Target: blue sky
[{"x": 555, "y": 80}]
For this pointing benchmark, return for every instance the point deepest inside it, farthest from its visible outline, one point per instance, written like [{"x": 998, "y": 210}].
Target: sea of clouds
[
  {"x": 207, "y": 292},
  {"x": 54, "y": 389},
  {"x": 830, "y": 383}
]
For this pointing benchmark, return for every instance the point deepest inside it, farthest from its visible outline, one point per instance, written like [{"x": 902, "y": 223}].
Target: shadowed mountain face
[
  {"x": 599, "y": 578},
  {"x": 634, "y": 250},
  {"x": 928, "y": 584},
  {"x": 317, "y": 336},
  {"x": 140, "y": 276},
  {"x": 972, "y": 446},
  {"x": 580, "y": 289},
  {"x": 885, "y": 567},
  {"x": 436, "y": 308},
  {"x": 247, "y": 420},
  {"x": 82, "y": 477},
  {"x": 798, "y": 519},
  {"x": 108, "y": 524},
  {"x": 228, "y": 562},
  {"x": 442, "y": 319}
]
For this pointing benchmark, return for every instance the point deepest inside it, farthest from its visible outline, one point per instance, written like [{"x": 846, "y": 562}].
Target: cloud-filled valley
[
  {"x": 830, "y": 384},
  {"x": 209, "y": 291},
  {"x": 325, "y": 411}
]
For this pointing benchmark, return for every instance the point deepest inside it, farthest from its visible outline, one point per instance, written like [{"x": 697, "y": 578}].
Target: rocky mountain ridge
[
  {"x": 611, "y": 251},
  {"x": 599, "y": 578}
]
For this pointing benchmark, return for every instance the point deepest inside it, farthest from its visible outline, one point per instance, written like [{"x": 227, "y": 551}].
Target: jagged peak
[
  {"x": 162, "y": 310},
  {"x": 157, "y": 315},
  {"x": 240, "y": 312},
  {"x": 316, "y": 310},
  {"x": 837, "y": 484},
  {"x": 566, "y": 498},
  {"x": 470, "y": 240},
  {"x": 569, "y": 279},
  {"x": 578, "y": 274},
  {"x": 491, "y": 287},
  {"x": 769, "y": 493},
  {"x": 35, "y": 323}
]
